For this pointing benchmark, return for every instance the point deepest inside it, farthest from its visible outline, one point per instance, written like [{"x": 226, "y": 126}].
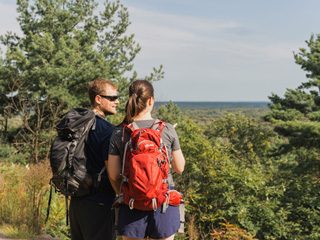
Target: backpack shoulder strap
[
  {"x": 94, "y": 125},
  {"x": 134, "y": 125},
  {"x": 155, "y": 124},
  {"x": 125, "y": 138},
  {"x": 97, "y": 115},
  {"x": 131, "y": 127},
  {"x": 158, "y": 125}
]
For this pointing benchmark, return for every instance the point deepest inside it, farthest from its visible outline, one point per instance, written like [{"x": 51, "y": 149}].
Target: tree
[
  {"x": 297, "y": 114},
  {"x": 45, "y": 72},
  {"x": 228, "y": 175},
  {"x": 238, "y": 181},
  {"x": 297, "y": 120},
  {"x": 245, "y": 140},
  {"x": 169, "y": 113}
]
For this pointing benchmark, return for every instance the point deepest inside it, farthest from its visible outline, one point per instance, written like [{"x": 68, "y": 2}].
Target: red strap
[
  {"x": 160, "y": 126},
  {"x": 130, "y": 127},
  {"x": 157, "y": 125}
]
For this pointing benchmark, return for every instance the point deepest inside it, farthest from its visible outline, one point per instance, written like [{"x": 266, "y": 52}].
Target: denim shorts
[{"x": 153, "y": 224}]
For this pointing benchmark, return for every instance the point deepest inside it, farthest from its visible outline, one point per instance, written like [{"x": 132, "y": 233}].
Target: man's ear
[{"x": 97, "y": 99}]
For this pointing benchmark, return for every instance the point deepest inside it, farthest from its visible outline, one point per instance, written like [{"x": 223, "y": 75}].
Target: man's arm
[{"x": 113, "y": 166}]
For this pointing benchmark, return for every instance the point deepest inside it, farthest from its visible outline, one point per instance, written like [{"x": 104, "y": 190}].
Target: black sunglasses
[{"x": 110, "y": 98}]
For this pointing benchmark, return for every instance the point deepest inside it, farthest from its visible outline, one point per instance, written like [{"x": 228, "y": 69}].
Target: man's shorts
[{"x": 153, "y": 224}]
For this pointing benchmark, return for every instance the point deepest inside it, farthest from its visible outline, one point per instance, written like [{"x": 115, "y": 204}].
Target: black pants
[{"x": 91, "y": 220}]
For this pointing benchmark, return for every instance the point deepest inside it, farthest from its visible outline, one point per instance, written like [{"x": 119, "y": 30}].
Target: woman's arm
[
  {"x": 113, "y": 166},
  {"x": 178, "y": 161}
]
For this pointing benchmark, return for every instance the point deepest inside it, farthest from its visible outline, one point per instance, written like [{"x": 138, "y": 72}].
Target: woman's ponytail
[{"x": 139, "y": 93}]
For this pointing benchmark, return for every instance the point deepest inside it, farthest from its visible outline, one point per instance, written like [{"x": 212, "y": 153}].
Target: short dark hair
[{"x": 96, "y": 87}]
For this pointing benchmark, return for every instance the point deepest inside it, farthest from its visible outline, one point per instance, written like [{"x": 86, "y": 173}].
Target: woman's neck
[{"x": 143, "y": 116}]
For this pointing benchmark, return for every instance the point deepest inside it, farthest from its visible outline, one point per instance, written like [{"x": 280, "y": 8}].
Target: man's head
[{"x": 103, "y": 96}]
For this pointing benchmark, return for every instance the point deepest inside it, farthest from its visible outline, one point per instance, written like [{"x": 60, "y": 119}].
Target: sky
[{"x": 226, "y": 50}]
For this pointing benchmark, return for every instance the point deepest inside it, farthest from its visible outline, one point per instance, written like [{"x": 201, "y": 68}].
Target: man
[{"x": 91, "y": 217}]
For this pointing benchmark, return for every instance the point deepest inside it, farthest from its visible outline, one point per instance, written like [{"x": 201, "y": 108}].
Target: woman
[{"x": 137, "y": 224}]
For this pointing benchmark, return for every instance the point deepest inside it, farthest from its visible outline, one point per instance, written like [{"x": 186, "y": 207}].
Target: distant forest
[
  {"x": 204, "y": 112},
  {"x": 217, "y": 104}
]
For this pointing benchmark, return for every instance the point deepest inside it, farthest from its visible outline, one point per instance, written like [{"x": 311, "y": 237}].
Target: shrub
[
  {"x": 231, "y": 231},
  {"x": 22, "y": 196},
  {"x": 56, "y": 225}
]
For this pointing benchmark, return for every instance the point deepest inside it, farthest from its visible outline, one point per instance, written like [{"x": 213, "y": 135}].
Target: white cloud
[
  {"x": 181, "y": 22},
  {"x": 165, "y": 35},
  {"x": 258, "y": 50},
  {"x": 210, "y": 59}
]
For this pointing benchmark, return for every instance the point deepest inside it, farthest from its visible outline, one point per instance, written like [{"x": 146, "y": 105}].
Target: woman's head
[{"x": 140, "y": 91}]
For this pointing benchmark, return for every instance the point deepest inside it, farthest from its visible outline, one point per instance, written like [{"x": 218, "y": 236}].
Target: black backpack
[{"x": 68, "y": 158}]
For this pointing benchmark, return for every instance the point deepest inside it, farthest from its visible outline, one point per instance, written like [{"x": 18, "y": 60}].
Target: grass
[{"x": 16, "y": 232}]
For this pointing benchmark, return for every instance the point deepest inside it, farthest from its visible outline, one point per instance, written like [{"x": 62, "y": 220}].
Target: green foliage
[
  {"x": 301, "y": 134},
  {"x": 296, "y": 120},
  {"x": 230, "y": 231},
  {"x": 309, "y": 60},
  {"x": 228, "y": 175},
  {"x": 196, "y": 150},
  {"x": 8, "y": 154},
  {"x": 204, "y": 116},
  {"x": 169, "y": 113},
  {"x": 298, "y": 174},
  {"x": 287, "y": 115},
  {"x": 245, "y": 140},
  {"x": 193, "y": 182},
  {"x": 56, "y": 225},
  {"x": 296, "y": 115},
  {"x": 238, "y": 180}
]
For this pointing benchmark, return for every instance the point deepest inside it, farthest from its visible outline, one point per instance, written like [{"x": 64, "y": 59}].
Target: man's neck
[{"x": 98, "y": 111}]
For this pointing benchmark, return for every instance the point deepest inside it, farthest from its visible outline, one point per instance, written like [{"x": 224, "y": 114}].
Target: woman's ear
[{"x": 151, "y": 101}]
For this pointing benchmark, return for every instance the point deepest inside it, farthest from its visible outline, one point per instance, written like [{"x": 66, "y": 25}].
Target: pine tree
[
  {"x": 297, "y": 114},
  {"x": 296, "y": 117},
  {"x": 64, "y": 45}
]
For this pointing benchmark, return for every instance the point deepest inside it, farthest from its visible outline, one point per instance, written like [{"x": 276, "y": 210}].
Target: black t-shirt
[
  {"x": 98, "y": 144},
  {"x": 97, "y": 150}
]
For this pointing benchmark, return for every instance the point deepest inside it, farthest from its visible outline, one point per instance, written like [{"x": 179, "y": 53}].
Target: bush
[
  {"x": 8, "y": 153},
  {"x": 56, "y": 225},
  {"x": 229, "y": 176},
  {"x": 22, "y": 196},
  {"x": 230, "y": 231}
]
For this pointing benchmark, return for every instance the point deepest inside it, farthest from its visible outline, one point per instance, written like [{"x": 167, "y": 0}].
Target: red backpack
[{"x": 145, "y": 169}]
